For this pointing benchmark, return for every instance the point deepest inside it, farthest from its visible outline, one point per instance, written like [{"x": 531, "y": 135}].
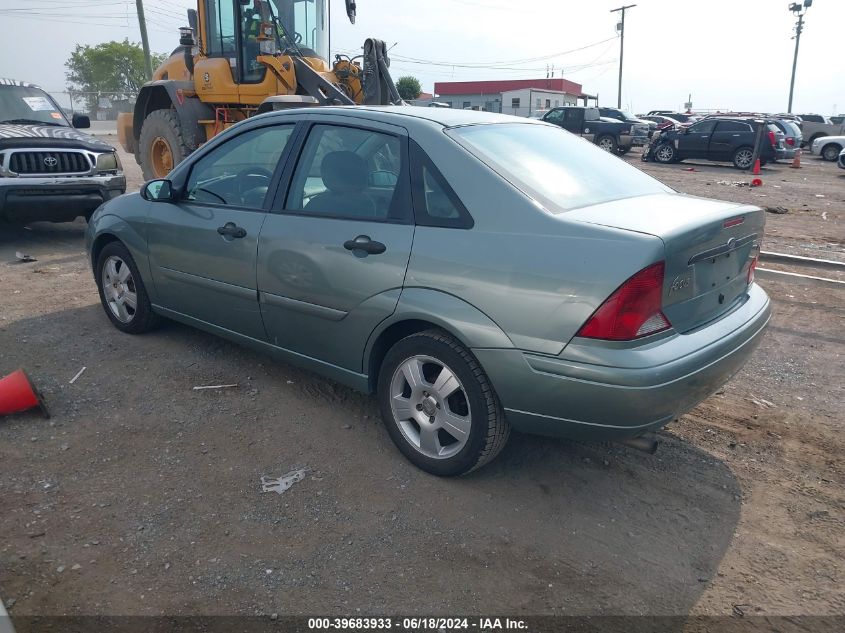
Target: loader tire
[{"x": 161, "y": 145}]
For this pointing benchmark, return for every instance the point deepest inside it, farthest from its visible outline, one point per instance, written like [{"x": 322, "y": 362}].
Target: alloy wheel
[
  {"x": 606, "y": 144},
  {"x": 664, "y": 154},
  {"x": 119, "y": 289},
  {"x": 743, "y": 158},
  {"x": 430, "y": 406}
]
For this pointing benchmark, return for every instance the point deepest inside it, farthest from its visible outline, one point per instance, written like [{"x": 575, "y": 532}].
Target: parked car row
[{"x": 614, "y": 135}]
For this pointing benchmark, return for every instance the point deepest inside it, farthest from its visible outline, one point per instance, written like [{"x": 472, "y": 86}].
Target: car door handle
[
  {"x": 364, "y": 243},
  {"x": 230, "y": 229}
]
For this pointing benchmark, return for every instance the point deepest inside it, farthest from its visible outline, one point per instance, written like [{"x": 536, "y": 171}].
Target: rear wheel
[
  {"x": 831, "y": 152},
  {"x": 743, "y": 158},
  {"x": 607, "y": 143},
  {"x": 665, "y": 153},
  {"x": 161, "y": 146},
  {"x": 439, "y": 406}
]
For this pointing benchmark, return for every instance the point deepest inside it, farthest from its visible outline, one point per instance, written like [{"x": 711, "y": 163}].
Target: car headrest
[{"x": 344, "y": 172}]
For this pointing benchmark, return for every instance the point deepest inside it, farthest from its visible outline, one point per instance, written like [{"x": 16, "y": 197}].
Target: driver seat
[{"x": 345, "y": 176}]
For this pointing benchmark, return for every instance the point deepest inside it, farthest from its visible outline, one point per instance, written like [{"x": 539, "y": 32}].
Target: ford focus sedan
[{"x": 477, "y": 272}]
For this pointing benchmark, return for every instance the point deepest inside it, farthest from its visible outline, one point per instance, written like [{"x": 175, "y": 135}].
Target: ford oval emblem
[{"x": 51, "y": 161}]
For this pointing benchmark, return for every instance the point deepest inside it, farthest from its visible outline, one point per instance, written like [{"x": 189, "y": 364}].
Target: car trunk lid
[{"x": 709, "y": 245}]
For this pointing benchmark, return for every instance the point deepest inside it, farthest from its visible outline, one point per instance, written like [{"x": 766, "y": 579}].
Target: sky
[{"x": 728, "y": 55}]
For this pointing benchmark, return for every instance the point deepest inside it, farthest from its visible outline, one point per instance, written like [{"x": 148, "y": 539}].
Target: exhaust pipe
[{"x": 647, "y": 443}]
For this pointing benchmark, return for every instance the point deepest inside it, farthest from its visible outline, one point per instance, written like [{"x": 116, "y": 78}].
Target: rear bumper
[
  {"x": 604, "y": 391},
  {"x": 787, "y": 153},
  {"x": 56, "y": 199}
]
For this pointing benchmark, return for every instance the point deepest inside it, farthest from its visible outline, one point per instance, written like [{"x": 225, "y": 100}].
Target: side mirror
[
  {"x": 80, "y": 121},
  {"x": 350, "y": 10},
  {"x": 157, "y": 191}
]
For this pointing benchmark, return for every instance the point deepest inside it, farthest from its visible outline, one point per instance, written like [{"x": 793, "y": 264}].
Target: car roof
[
  {"x": 446, "y": 117},
  {"x": 5, "y": 81}
]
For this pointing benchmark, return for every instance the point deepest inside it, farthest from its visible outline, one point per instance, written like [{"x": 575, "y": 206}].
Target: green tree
[
  {"x": 116, "y": 68},
  {"x": 408, "y": 87}
]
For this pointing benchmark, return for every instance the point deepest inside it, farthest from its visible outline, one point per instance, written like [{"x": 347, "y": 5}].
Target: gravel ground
[{"x": 142, "y": 496}]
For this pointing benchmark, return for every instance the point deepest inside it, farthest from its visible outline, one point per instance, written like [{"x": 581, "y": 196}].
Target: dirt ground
[{"x": 142, "y": 496}]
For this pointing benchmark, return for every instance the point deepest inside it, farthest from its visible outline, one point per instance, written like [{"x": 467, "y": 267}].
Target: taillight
[
  {"x": 790, "y": 141},
  {"x": 634, "y": 310},
  {"x": 751, "y": 268},
  {"x": 772, "y": 139}
]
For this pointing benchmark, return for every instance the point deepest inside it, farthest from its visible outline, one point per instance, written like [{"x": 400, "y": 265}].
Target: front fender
[{"x": 106, "y": 226}]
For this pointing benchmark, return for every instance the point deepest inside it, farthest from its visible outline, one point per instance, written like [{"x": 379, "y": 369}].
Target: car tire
[
  {"x": 161, "y": 145},
  {"x": 743, "y": 157},
  {"x": 418, "y": 401},
  {"x": 607, "y": 143},
  {"x": 830, "y": 152},
  {"x": 120, "y": 285},
  {"x": 665, "y": 153}
]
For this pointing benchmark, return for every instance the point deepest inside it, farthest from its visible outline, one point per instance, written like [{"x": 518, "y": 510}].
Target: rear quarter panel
[{"x": 537, "y": 276}]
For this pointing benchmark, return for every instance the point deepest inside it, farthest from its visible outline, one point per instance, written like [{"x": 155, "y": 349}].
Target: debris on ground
[
  {"x": 778, "y": 210},
  {"x": 268, "y": 484},
  {"x": 200, "y": 388},
  {"x": 761, "y": 402},
  {"x": 78, "y": 374},
  {"x": 733, "y": 183},
  {"x": 24, "y": 257}
]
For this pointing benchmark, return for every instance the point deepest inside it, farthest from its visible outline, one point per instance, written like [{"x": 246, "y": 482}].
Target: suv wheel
[
  {"x": 831, "y": 152},
  {"x": 607, "y": 143},
  {"x": 665, "y": 153},
  {"x": 743, "y": 158},
  {"x": 122, "y": 291},
  {"x": 439, "y": 406}
]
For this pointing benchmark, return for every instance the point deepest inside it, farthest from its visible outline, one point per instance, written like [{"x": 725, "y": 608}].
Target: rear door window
[
  {"x": 734, "y": 126},
  {"x": 350, "y": 172}
]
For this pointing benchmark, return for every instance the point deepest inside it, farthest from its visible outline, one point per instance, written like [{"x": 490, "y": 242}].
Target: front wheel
[
  {"x": 122, "y": 292},
  {"x": 438, "y": 405},
  {"x": 665, "y": 153},
  {"x": 831, "y": 152}
]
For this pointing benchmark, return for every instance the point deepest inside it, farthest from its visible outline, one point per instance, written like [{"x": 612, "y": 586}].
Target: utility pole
[
  {"x": 145, "y": 43},
  {"x": 621, "y": 28},
  {"x": 798, "y": 10}
]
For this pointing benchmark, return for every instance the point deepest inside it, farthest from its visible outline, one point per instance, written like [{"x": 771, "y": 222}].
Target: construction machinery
[{"x": 238, "y": 58}]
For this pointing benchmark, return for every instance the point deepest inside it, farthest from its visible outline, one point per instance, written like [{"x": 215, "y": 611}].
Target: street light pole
[
  {"x": 621, "y": 50},
  {"x": 798, "y": 10}
]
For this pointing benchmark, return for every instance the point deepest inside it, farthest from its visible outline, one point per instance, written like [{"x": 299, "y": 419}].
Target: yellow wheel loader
[{"x": 238, "y": 58}]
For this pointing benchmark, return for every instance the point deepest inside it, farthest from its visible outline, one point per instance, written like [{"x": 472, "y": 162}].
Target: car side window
[
  {"x": 350, "y": 172},
  {"x": 238, "y": 172},
  {"x": 734, "y": 126},
  {"x": 555, "y": 116},
  {"x": 435, "y": 202},
  {"x": 702, "y": 127}
]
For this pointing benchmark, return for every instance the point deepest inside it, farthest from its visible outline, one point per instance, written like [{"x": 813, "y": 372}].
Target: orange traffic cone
[
  {"x": 796, "y": 161},
  {"x": 17, "y": 394},
  {"x": 756, "y": 170}
]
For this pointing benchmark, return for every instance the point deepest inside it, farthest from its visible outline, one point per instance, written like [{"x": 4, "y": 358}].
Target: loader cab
[{"x": 233, "y": 30}]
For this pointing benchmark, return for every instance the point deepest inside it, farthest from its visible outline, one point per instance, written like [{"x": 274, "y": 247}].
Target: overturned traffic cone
[
  {"x": 796, "y": 161},
  {"x": 17, "y": 395},
  {"x": 756, "y": 170}
]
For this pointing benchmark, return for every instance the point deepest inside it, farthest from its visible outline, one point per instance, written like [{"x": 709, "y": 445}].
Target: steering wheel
[{"x": 248, "y": 176}]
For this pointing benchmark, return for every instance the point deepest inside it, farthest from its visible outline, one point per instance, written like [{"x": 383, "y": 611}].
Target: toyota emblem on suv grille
[{"x": 51, "y": 161}]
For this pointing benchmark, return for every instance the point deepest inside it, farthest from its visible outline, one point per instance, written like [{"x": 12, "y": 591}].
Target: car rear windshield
[
  {"x": 25, "y": 104},
  {"x": 559, "y": 170}
]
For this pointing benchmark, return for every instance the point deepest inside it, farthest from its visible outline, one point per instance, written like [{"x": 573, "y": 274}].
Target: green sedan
[{"x": 477, "y": 272}]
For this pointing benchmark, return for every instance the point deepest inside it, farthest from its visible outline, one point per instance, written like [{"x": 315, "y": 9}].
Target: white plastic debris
[
  {"x": 268, "y": 484},
  {"x": 78, "y": 374},
  {"x": 25, "y": 257},
  {"x": 215, "y": 387}
]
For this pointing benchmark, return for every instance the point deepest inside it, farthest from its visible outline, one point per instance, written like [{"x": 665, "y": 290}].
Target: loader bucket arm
[{"x": 379, "y": 88}]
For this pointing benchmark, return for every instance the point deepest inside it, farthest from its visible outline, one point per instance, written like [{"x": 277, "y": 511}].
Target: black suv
[
  {"x": 718, "y": 139},
  {"x": 49, "y": 170}
]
